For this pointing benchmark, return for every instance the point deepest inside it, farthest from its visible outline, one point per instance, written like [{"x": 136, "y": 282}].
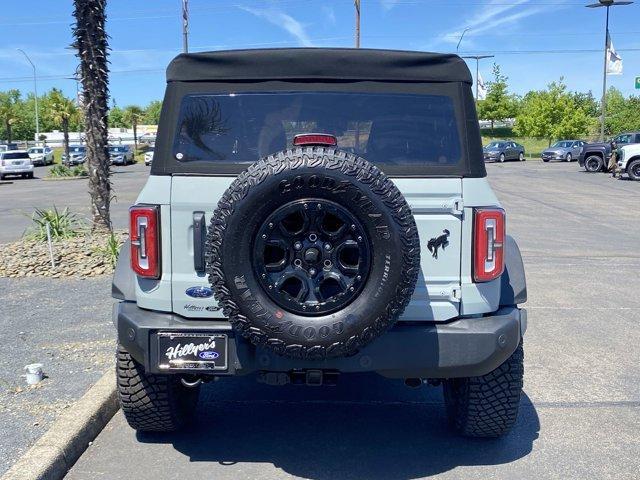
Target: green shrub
[
  {"x": 111, "y": 249},
  {"x": 79, "y": 171},
  {"x": 62, "y": 171},
  {"x": 61, "y": 224}
]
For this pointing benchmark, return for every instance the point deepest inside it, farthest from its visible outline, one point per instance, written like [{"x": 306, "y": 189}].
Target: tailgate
[{"x": 436, "y": 205}]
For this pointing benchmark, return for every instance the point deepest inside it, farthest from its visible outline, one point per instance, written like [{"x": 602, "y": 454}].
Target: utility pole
[
  {"x": 608, "y": 4},
  {"x": 185, "y": 26},
  {"x": 35, "y": 91},
  {"x": 477, "y": 58},
  {"x": 357, "y": 5}
]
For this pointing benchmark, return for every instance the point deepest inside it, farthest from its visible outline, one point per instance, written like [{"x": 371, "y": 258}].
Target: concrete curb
[{"x": 51, "y": 457}]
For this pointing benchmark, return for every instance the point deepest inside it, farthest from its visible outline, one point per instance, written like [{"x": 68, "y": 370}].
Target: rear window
[
  {"x": 391, "y": 129},
  {"x": 117, "y": 149},
  {"x": 15, "y": 155}
]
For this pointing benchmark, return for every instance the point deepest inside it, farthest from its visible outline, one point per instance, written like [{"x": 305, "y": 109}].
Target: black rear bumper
[{"x": 462, "y": 348}]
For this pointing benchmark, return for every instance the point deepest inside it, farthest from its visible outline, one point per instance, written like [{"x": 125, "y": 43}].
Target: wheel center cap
[{"x": 311, "y": 255}]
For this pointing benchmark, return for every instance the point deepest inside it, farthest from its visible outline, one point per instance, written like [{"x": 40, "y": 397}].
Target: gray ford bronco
[{"x": 312, "y": 213}]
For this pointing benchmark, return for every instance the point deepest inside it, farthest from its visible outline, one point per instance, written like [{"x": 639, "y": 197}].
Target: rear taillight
[
  {"x": 144, "y": 231},
  {"x": 488, "y": 244}
]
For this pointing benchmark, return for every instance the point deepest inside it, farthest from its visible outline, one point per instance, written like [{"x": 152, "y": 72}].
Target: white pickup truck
[{"x": 629, "y": 160}]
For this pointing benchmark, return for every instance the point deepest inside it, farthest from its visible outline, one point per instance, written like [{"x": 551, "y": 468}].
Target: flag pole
[
  {"x": 604, "y": 76},
  {"x": 185, "y": 26}
]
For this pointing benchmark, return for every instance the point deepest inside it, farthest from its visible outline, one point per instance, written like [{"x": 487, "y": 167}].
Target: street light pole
[
  {"x": 357, "y": 5},
  {"x": 461, "y": 37},
  {"x": 35, "y": 91},
  {"x": 608, "y": 4},
  {"x": 477, "y": 58}
]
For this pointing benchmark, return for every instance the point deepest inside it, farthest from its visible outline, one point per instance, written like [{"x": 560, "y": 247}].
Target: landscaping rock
[{"x": 82, "y": 256}]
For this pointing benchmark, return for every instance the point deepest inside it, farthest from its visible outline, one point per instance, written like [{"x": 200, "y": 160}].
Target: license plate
[
  {"x": 192, "y": 351},
  {"x": 17, "y": 162}
]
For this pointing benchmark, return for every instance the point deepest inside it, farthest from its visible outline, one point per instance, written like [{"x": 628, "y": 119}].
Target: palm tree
[
  {"x": 132, "y": 115},
  {"x": 91, "y": 43},
  {"x": 9, "y": 110},
  {"x": 61, "y": 111}
]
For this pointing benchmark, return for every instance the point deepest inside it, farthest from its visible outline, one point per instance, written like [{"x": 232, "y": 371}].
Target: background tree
[
  {"x": 91, "y": 43},
  {"x": 623, "y": 114},
  {"x": 9, "y": 111},
  {"x": 152, "y": 112},
  {"x": 552, "y": 114},
  {"x": 587, "y": 102},
  {"x": 116, "y": 117},
  {"x": 61, "y": 111},
  {"x": 133, "y": 114},
  {"x": 499, "y": 104}
]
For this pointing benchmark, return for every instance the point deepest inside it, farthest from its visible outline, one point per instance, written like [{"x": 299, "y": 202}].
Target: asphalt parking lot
[
  {"x": 580, "y": 415},
  {"x": 20, "y": 197}
]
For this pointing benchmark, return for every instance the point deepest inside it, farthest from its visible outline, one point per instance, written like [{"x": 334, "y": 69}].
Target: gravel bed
[
  {"x": 64, "y": 324},
  {"x": 82, "y": 256}
]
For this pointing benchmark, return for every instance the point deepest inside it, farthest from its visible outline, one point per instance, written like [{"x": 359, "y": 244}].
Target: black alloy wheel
[{"x": 312, "y": 256}]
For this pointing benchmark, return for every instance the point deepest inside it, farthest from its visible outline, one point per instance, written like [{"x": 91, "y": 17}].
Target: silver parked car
[
  {"x": 77, "y": 155},
  {"x": 504, "y": 150},
  {"x": 120, "y": 154},
  {"x": 564, "y": 150}
]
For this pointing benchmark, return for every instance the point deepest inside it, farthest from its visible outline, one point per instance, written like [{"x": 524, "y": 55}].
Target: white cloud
[
  {"x": 388, "y": 4},
  {"x": 494, "y": 15},
  {"x": 329, "y": 14},
  {"x": 284, "y": 21}
]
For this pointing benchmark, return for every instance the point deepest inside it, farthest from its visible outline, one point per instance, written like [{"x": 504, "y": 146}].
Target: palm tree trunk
[
  {"x": 91, "y": 42},
  {"x": 135, "y": 136},
  {"x": 65, "y": 132}
]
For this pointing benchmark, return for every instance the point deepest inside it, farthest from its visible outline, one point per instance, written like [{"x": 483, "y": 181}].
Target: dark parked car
[
  {"x": 564, "y": 150},
  {"x": 595, "y": 156},
  {"x": 504, "y": 150}
]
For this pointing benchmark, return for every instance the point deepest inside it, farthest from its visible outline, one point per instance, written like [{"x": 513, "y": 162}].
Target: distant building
[{"x": 124, "y": 136}]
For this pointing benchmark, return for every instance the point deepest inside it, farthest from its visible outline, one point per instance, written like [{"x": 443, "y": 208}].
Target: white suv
[
  {"x": 16, "y": 162},
  {"x": 629, "y": 160},
  {"x": 41, "y": 155}
]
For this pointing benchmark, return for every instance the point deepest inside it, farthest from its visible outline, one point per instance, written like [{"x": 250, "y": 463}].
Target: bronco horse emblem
[{"x": 441, "y": 241}]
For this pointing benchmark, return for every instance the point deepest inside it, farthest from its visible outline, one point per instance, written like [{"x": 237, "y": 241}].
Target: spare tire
[{"x": 312, "y": 253}]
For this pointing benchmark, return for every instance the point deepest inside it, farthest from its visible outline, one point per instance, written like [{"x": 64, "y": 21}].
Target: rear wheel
[
  {"x": 30, "y": 175},
  {"x": 634, "y": 170},
  {"x": 486, "y": 406},
  {"x": 152, "y": 403},
  {"x": 594, "y": 164},
  {"x": 521, "y": 157}
]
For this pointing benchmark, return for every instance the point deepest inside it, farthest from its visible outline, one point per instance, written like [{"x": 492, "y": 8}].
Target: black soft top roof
[{"x": 318, "y": 63}]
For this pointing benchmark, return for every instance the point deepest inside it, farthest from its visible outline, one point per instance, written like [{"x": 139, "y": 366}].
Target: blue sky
[{"x": 145, "y": 35}]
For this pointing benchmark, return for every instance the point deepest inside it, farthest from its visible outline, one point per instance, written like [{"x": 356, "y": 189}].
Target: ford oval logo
[
  {"x": 199, "y": 292},
  {"x": 208, "y": 355}
]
